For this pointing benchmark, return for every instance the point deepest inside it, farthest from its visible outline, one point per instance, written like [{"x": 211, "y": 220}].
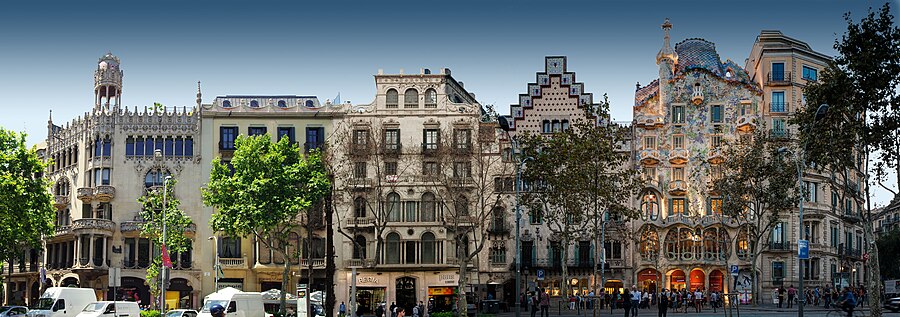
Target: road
[{"x": 744, "y": 312}]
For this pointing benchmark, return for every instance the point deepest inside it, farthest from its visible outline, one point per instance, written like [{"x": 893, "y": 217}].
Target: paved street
[{"x": 745, "y": 311}]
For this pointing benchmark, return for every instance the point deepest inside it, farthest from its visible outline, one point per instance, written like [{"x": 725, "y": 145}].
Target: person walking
[
  {"x": 393, "y": 309},
  {"x": 698, "y": 299},
  {"x": 663, "y": 303},
  {"x": 545, "y": 304},
  {"x": 635, "y": 300},
  {"x": 714, "y": 301},
  {"x": 342, "y": 310},
  {"x": 626, "y": 303},
  {"x": 827, "y": 296},
  {"x": 780, "y": 297},
  {"x": 792, "y": 292},
  {"x": 535, "y": 303}
]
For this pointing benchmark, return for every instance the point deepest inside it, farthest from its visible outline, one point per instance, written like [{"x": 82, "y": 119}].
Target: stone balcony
[
  {"x": 85, "y": 194},
  {"x": 715, "y": 155},
  {"x": 316, "y": 263},
  {"x": 649, "y": 121},
  {"x": 233, "y": 263},
  {"x": 360, "y": 222},
  {"x": 104, "y": 193},
  {"x": 649, "y": 157},
  {"x": 746, "y": 123},
  {"x": 677, "y": 187},
  {"x": 361, "y": 183},
  {"x": 61, "y": 201},
  {"x": 359, "y": 263},
  {"x": 62, "y": 230},
  {"x": 93, "y": 225},
  {"x": 697, "y": 96},
  {"x": 678, "y": 156}
]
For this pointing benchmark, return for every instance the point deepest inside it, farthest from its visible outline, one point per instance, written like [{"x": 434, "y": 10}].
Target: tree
[
  {"x": 759, "y": 183},
  {"x": 177, "y": 223},
  {"x": 580, "y": 174},
  {"x": 468, "y": 182},
  {"x": 862, "y": 121},
  {"x": 889, "y": 243},
  {"x": 26, "y": 206},
  {"x": 267, "y": 194}
]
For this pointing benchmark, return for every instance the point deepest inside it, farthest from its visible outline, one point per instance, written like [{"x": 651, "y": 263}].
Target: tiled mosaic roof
[
  {"x": 698, "y": 53},
  {"x": 645, "y": 93}
]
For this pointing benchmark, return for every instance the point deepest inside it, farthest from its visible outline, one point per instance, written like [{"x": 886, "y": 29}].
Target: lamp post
[
  {"x": 215, "y": 241},
  {"x": 164, "y": 270},
  {"x": 505, "y": 126}
]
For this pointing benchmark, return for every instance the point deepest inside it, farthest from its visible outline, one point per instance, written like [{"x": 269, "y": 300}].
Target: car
[
  {"x": 182, "y": 313},
  {"x": 892, "y": 304},
  {"x": 13, "y": 311}
]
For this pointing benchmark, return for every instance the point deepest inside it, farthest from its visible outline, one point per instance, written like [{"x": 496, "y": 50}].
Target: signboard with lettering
[
  {"x": 540, "y": 275},
  {"x": 432, "y": 291},
  {"x": 803, "y": 249}
]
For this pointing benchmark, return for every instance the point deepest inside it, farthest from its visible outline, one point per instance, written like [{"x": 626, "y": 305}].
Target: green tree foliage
[
  {"x": 177, "y": 223},
  {"x": 889, "y": 243},
  {"x": 577, "y": 175},
  {"x": 26, "y": 207},
  {"x": 759, "y": 184},
  {"x": 268, "y": 195},
  {"x": 862, "y": 122}
]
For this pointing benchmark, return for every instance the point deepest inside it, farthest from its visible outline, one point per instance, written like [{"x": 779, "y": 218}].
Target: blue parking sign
[
  {"x": 803, "y": 249},
  {"x": 734, "y": 270},
  {"x": 540, "y": 275}
]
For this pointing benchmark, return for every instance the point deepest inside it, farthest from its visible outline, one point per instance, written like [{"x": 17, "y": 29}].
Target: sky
[{"x": 49, "y": 49}]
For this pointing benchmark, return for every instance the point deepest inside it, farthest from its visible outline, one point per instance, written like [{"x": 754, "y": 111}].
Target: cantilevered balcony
[
  {"x": 677, "y": 187},
  {"x": 104, "y": 193},
  {"x": 678, "y": 156},
  {"x": 649, "y": 121},
  {"x": 746, "y": 123},
  {"x": 85, "y": 194},
  {"x": 650, "y": 157}
]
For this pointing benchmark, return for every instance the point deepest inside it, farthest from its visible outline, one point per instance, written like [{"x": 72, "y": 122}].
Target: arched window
[
  {"x": 498, "y": 221},
  {"x": 265, "y": 253},
  {"x": 649, "y": 243},
  {"x": 359, "y": 207},
  {"x": 392, "y": 99},
  {"x": 254, "y": 104},
  {"x": 742, "y": 247},
  {"x": 392, "y": 207},
  {"x": 649, "y": 206},
  {"x": 429, "y": 208},
  {"x": 226, "y": 104},
  {"x": 411, "y": 98},
  {"x": 310, "y": 104},
  {"x": 688, "y": 243},
  {"x": 392, "y": 250},
  {"x": 282, "y": 104},
  {"x": 430, "y": 98},
  {"x": 62, "y": 188},
  {"x": 711, "y": 246},
  {"x": 429, "y": 255},
  {"x": 155, "y": 178},
  {"x": 359, "y": 248}
]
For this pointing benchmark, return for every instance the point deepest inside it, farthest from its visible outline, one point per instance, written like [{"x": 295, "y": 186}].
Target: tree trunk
[
  {"x": 754, "y": 289},
  {"x": 379, "y": 247},
  {"x": 874, "y": 284},
  {"x": 565, "y": 267},
  {"x": 285, "y": 279},
  {"x": 462, "y": 303},
  {"x": 329, "y": 257}
]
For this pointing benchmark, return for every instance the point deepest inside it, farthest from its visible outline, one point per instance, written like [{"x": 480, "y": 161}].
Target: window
[
  {"x": 535, "y": 217},
  {"x": 778, "y": 129},
  {"x": 392, "y": 99},
  {"x": 359, "y": 248},
  {"x": 286, "y": 132},
  {"x": 546, "y": 128},
  {"x": 282, "y": 104},
  {"x": 650, "y": 206},
  {"x": 649, "y": 173},
  {"x": 189, "y": 146},
  {"x": 498, "y": 255},
  {"x": 226, "y": 104},
  {"x": 810, "y": 73},
  {"x": 360, "y": 137},
  {"x": 411, "y": 209},
  {"x": 462, "y": 169},
  {"x": 778, "y": 104},
  {"x": 392, "y": 139},
  {"x": 254, "y": 131},
  {"x": 678, "y": 206},
  {"x": 393, "y": 207},
  {"x": 230, "y": 247},
  {"x": 310, "y": 104},
  {"x": 812, "y": 189},
  {"x": 359, "y": 170},
  {"x": 428, "y": 248},
  {"x": 431, "y": 168},
  {"x": 835, "y": 236},
  {"x": 432, "y": 137},
  {"x": 227, "y": 136},
  {"x": 390, "y": 168},
  {"x": 778, "y": 234},
  {"x": 429, "y": 208},
  {"x": 678, "y": 141},
  {"x": 507, "y": 154},
  {"x": 715, "y": 207},
  {"x": 101, "y": 176},
  {"x": 778, "y": 270},
  {"x": 155, "y": 178},
  {"x": 430, "y": 98},
  {"x": 649, "y": 142},
  {"x": 461, "y": 206},
  {"x": 411, "y": 98},
  {"x": 315, "y": 138},
  {"x": 715, "y": 114},
  {"x": 613, "y": 249},
  {"x": 678, "y": 114},
  {"x": 715, "y": 140},
  {"x": 129, "y": 146},
  {"x": 565, "y": 125},
  {"x": 678, "y": 173},
  {"x": 462, "y": 139},
  {"x": 777, "y": 71},
  {"x": 359, "y": 207},
  {"x": 392, "y": 253},
  {"x": 254, "y": 104}
]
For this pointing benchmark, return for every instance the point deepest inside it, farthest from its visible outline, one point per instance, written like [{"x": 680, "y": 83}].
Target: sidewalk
[{"x": 772, "y": 308}]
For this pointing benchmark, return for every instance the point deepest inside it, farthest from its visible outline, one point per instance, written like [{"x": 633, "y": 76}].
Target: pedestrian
[
  {"x": 421, "y": 308},
  {"x": 545, "y": 303},
  {"x": 626, "y": 303},
  {"x": 535, "y": 302},
  {"x": 827, "y": 296},
  {"x": 714, "y": 301},
  {"x": 816, "y": 295},
  {"x": 698, "y": 299},
  {"x": 635, "y": 300},
  {"x": 416, "y": 311},
  {"x": 792, "y": 292},
  {"x": 401, "y": 312},
  {"x": 342, "y": 310},
  {"x": 571, "y": 302},
  {"x": 393, "y": 309},
  {"x": 780, "y": 296},
  {"x": 663, "y": 303}
]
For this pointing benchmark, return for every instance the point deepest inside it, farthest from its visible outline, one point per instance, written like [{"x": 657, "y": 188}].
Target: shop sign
[
  {"x": 433, "y": 291},
  {"x": 367, "y": 280}
]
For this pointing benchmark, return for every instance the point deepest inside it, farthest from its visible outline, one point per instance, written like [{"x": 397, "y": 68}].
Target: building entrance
[{"x": 406, "y": 293}]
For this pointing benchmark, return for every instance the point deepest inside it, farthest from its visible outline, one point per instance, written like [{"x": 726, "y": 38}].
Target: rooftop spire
[
  {"x": 198, "y": 94},
  {"x": 666, "y": 51}
]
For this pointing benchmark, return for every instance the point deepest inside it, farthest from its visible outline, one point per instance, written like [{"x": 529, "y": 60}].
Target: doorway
[{"x": 406, "y": 293}]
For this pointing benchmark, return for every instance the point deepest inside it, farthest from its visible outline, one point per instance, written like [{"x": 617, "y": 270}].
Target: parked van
[
  {"x": 235, "y": 302},
  {"x": 111, "y": 309},
  {"x": 63, "y": 302}
]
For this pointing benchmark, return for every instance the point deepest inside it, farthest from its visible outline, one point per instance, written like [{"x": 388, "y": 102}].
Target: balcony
[
  {"x": 85, "y": 194},
  {"x": 104, "y": 193},
  {"x": 677, "y": 187},
  {"x": 309, "y": 146},
  {"x": 358, "y": 149},
  {"x": 781, "y": 134},
  {"x": 456, "y": 262},
  {"x": 93, "y": 225},
  {"x": 499, "y": 228},
  {"x": 746, "y": 123},
  {"x": 90, "y": 264},
  {"x": 62, "y": 230},
  {"x": 715, "y": 155},
  {"x": 233, "y": 263},
  {"x": 778, "y": 79},
  {"x": 697, "y": 96},
  {"x": 130, "y": 226},
  {"x": 678, "y": 156},
  {"x": 580, "y": 263},
  {"x": 779, "y": 107},
  {"x": 650, "y": 157},
  {"x": 360, "y": 222},
  {"x": 499, "y": 266},
  {"x": 361, "y": 183},
  {"x": 649, "y": 121},
  {"x": 853, "y": 253},
  {"x": 780, "y": 246},
  {"x": 391, "y": 149},
  {"x": 61, "y": 201},
  {"x": 316, "y": 263},
  {"x": 462, "y": 181},
  {"x": 430, "y": 149}
]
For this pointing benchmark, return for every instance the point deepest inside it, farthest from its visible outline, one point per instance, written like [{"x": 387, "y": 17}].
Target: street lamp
[
  {"x": 164, "y": 269},
  {"x": 215, "y": 241},
  {"x": 504, "y": 125}
]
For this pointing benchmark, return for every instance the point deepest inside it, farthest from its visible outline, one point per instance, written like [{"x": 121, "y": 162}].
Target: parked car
[
  {"x": 110, "y": 309},
  {"x": 182, "y": 313},
  {"x": 13, "y": 311},
  {"x": 63, "y": 302},
  {"x": 892, "y": 304}
]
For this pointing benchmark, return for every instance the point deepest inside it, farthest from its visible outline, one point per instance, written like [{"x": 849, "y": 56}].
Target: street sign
[
  {"x": 734, "y": 270},
  {"x": 803, "y": 249},
  {"x": 540, "y": 275},
  {"x": 115, "y": 277}
]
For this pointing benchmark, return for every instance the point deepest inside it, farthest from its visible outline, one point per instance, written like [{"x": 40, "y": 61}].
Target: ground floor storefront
[{"x": 437, "y": 290}]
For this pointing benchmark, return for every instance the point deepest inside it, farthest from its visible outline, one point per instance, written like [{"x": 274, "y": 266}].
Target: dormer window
[
  {"x": 226, "y": 104},
  {"x": 282, "y": 104},
  {"x": 254, "y": 104}
]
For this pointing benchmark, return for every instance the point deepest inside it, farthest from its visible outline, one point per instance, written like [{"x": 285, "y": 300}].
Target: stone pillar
[
  {"x": 91, "y": 251},
  {"x": 105, "y": 247},
  {"x": 78, "y": 247}
]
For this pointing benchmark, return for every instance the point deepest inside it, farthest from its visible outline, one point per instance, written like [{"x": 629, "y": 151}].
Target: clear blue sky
[{"x": 48, "y": 50}]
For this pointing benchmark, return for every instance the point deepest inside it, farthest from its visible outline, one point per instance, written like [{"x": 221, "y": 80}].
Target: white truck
[
  {"x": 63, "y": 302},
  {"x": 235, "y": 302}
]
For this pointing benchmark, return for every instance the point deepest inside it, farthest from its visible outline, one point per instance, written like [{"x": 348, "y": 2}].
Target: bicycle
[{"x": 837, "y": 311}]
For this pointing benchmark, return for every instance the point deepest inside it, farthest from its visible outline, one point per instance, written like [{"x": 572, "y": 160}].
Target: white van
[
  {"x": 235, "y": 302},
  {"x": 63, "y": 302},
  {"x": 111, "y": 309}
]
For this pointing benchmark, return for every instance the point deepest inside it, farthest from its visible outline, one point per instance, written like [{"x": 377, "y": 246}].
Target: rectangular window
[
  {"x": 716, "y": 114},
  {"x": 678, "y": 173},
  {"x": 392, "y": 139},
  {"x": 778, "y": 104},
  {"x": 359, "y": 170},
  {"x": 189, "y": 146},
  {"x": 431, "y": 168},
  {"x": 159, "y": 145},
  {"x": 777, "y": 71},
  {"x": 778, "y": 270},
  {"x": 227, "y": 136},
  {"x": 179, "y": 147},
  {"x": 148, "y": 147},
  {"x": 715, "y": 206},
  {"x": 169, "y": 147},
  {"x": 431, "y": 138},
  {"x": 286, "y": 132},
  {"x": 535, "y": 217},
  {"x": 254, "y": 131},
  {"x": 810, "y": 73},
  {"x": 390, "y": 168},
  {"x": 678, "y": 206},
  {"x": 462, "y": 139},
  {"x": 315, "y": 137},
  {"x": 778, "y": 129},
  {"x": 778, "y": 233},
  {"x": 678, "y": 141},
  {"x": 649, "y": 173},
  {"x": 129, "y": 146},
  {"x": 462, "y": 169},
  {"x": 678, "y": 114},
  {"x": 360, "y": 137},
  {"x": 649, "y": 142},
  {"x": 812, "y": 191},
  {"x": 139, "y": 146},
  {"x": 715, "y": 140}
]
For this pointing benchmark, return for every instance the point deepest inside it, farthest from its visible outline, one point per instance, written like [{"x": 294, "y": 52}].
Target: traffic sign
[
  {"x": 540, "y": 275},
  {"x": 803, "y": 249},
  {"x": 734, "y": 270}
]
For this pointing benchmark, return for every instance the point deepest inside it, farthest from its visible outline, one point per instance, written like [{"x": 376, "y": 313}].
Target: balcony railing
[
  {"x": 61, "y": 201},
  {"x": 779, "y": 246},
  {"x": 105, "y": 193},
  {"x": 360, "y": 182},
  {"x": 63, "y": 230},
  {"x": 85, "y": 194},
  {"x": 778, "y": 107},
  {"x": 391, "y": 149},
  {"x": 358, "y": 149},
  {"x": 780, "y": 133},
  {"x": 778, "y": 78},
  {"x": 233, "y": 263},
  {"x": 360, "y": 221},
  {"x": 93, "y": 224},
  {"x": 316, "y": 263},
  {"x": 430, "y": 148},
  {"x": 746, "y": 122},
  {"x": 649, "y": 156},
  {"x": 462, "y": 148}
]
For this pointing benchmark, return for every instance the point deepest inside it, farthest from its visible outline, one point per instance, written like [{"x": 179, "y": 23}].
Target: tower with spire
[
  {"x": 665, "y": 59},
  {"x": 107, "y": 83}
]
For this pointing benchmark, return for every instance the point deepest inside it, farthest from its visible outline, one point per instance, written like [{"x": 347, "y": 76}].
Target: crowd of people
[{"x": 788, "y": 297}]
